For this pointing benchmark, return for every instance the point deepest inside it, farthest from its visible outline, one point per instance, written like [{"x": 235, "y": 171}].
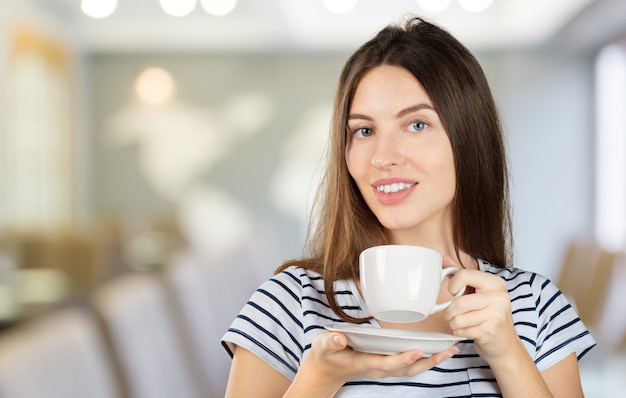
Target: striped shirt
[{"x": 283, "y": 316}]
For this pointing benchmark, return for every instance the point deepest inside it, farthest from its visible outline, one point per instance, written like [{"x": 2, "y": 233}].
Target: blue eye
[
  {"x": 363, "y": 132},
  {"x": 418, "y": 126}
]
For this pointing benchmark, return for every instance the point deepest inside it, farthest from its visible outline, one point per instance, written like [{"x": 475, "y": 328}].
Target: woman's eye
[
  {"x": 417, "y": 126},
  {"x": 363, "y": 132}
]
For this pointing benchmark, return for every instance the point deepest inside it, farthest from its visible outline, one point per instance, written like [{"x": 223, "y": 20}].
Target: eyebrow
[{"x": 400, "y": 114}]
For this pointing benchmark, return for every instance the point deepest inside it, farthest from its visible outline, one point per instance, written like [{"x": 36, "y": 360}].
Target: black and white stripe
[{"x": 283, "y": 316}]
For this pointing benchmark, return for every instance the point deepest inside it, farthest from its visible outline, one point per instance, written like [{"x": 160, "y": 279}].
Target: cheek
[
  {"x": 441, "y": 165},
  {"x": 449, "y": 176}
]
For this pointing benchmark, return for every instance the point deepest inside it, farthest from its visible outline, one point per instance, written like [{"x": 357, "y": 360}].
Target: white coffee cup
[{"x": 400, "y": 283}]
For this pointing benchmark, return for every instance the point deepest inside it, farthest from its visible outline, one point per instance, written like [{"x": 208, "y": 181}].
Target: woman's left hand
[{"x": 484, "y": 315}]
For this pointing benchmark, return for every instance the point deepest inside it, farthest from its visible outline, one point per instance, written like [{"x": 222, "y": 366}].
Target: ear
[{"x": 348, "y": 158}]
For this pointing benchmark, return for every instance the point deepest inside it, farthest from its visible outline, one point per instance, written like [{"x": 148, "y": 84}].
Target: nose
[{"x": 388, "y": 151}]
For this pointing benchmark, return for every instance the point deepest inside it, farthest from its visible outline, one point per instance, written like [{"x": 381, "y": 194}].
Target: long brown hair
[{"x": 342, "y": 225}]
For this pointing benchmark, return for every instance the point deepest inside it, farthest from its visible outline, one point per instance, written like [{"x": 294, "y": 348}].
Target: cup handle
[{"x": 442, "y": 306}]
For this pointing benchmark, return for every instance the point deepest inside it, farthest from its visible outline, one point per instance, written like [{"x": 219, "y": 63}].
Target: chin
[{"x": 397, "y": 225}]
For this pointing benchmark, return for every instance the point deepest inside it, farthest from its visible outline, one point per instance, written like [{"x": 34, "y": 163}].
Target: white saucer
[{"x": 393, "y": 341}]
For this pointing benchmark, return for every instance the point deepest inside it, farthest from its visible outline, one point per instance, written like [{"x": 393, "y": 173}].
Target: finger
[
  {"x": 480, "y": 333},
  {"x": 375, "y": 366},
  {"x": 390, "y": 363},
  {"x": 339, "y": 341},
  {"x": 424, "y": 364},
  {"x": 409, "y": 363},
  {"x": 484, "y": 304},
  {"x": 446, "y": 354},
  {"x": 409, "y": 357},
  {"x": 469, "y": 319},
  {"x": 486, "y": 323},
  {"x": 448, "y": 262},
  {"x": 330, "y": 342},
  {"x": 439, "y": 357},
  {"x": 403, "y": 364},
  {"x": 481, "y": 281},
  {"x": 468, "y": 303}
]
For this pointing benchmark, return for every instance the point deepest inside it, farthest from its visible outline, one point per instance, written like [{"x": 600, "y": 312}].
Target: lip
[{"x": 393, "y": 197}]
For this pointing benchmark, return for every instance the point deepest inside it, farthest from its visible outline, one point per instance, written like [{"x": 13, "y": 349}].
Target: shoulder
[
  {"x": 529, "y": 290},
  {"x": 294, "y": 289},
  {"x": 307, "y": 288},
  {"x": 519, "y": 281},
  {"x": 296, "y": 279},
  {"x": 271, "y": 324},
  {"x": 544, "y": 319},
  {"x": 283, "y": 316},
  {"x": 297, "y": 273},
  {"x": 533, "y": 296}
]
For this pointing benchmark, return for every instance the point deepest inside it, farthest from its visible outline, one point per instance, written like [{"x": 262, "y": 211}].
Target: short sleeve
[
  {"x": 560, "y": 332},
  {"x": 270, "y": 324}
]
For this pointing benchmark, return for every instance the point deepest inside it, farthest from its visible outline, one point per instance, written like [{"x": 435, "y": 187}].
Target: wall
[
  {"x": 261, "y": 170},
  {"x": 232, "y": 156},
  {"x": 545, "y": 102}
]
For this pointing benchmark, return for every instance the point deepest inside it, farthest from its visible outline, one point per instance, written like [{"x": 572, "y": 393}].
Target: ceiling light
[
  {"x": 475, "y": 5},
  {"x": 433, "y": 5},
  {"x": 339, "y": 6},
  {"x": 154, "y": 86},
  {"x": 98, "y": 8},
  {"x": 218, "y": 8},
  {"x": 178, "y": 8}
]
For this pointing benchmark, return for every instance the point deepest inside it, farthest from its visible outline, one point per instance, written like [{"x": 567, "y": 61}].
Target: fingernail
[
  {"x": 337, "y": 339},
  {"x": 450, "y": 353}
]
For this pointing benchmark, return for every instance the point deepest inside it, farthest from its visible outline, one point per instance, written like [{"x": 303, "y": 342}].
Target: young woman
[{"x": 417, "y": 158}]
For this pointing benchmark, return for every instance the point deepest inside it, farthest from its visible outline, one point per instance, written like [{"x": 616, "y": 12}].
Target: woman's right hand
[{"x": 331, "y": 363}]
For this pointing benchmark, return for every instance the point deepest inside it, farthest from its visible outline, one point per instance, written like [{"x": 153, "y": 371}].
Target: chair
[
  {"x": 57, "y": 355},
  {"x": 210, "y": 294},
  {"x": 577, "y": 272},
  {"x": 135, "y": 311},
  {"x": 609, "y": 322}
]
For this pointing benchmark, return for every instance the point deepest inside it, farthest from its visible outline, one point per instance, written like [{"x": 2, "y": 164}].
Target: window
[
  {"x": 36, "y": 156},
  {"x": 610, "y": 203}
]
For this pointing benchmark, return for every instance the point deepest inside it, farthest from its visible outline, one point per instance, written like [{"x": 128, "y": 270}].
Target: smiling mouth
[{"x": 393, "y": 188}]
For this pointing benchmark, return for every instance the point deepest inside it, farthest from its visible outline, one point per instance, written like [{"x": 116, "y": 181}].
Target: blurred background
[{"x": 158, "y": 160}]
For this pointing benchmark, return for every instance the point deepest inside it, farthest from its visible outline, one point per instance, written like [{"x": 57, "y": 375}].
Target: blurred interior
[{"x": 155, "y": 169}]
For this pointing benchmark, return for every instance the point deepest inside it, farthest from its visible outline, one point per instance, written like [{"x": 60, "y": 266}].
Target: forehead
[{"x": 388, "y": 86}]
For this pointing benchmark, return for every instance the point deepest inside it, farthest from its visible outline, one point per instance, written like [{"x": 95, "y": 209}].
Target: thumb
[
  {"x": 335, "y": 342},
  {"x": 328, "y": 342}
]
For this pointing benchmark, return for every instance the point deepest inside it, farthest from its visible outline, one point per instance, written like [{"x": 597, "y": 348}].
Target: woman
[{"x": 417, "y": 158}]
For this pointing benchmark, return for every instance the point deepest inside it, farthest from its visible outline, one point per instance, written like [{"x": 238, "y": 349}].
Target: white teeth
[{"x": 395, "y": 187}]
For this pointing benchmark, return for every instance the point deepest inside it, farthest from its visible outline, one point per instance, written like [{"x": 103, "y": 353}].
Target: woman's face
[{"x": 400, "y": 156}]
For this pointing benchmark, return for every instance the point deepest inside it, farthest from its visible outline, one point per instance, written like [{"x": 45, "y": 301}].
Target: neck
[{"x": 443, "y": 245}]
